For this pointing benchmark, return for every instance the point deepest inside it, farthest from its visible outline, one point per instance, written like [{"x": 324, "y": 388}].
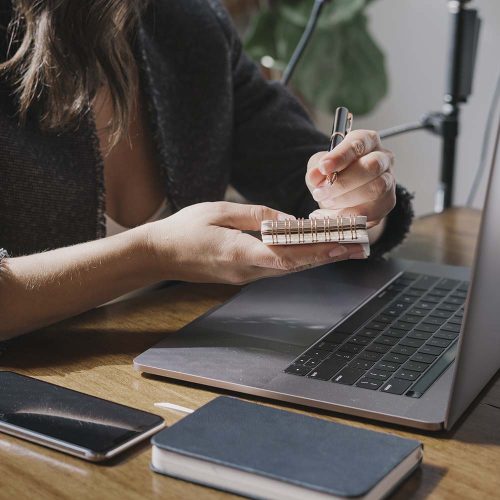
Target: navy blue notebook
[{"x": 262, "y": 452}]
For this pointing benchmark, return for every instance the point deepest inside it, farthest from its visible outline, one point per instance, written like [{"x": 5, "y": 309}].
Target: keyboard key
[
  {"x": 425, "y": 282},
  {"x": 387, "y": 366},
  {"x": 396, "y": 386},
  {"x": 360, "y": 340},
  {"x": 302, "y": 360},
  {"x": 368, "y": 383},
  {"x": 385, "y": 340},
  {"x": 392, "y": 313},
  {"x": 416, "y": 334},
  {"x": 448, "y": 307},
  {"x": 434, "y": 321},
  {"x": 395, "y": 358},
  {"x": 376, "y": 325},
  {"x": 348, "y": 376},
  {"x": 404, "y": 349},
  {"x": 450, "y": 327},
  {"x": 463, "y": 286},
  {"x": 438, "y": 293},
  {"x": 424, "y": 305},
  {"x": 384, "y": 319},
  {"x": 378, "y": 374},
  {"x": 415, "y": 366},
  {"x": 403, "y": 281},
  {"x": 327, "y": 369},
  {"x": 361, "y": 364},
  {"x": 369, "y": 356},
  {"x": 298, "y": 370},
  {"x": 430, "y": 299},
  {"x": 455, "y": 320},
  {"x": 426, "y": 327},
  {"x": 420, "y": 357},
  {"x": 418, "y": 312},
  {"x": 440, "y": 313},
  {"x": 394, "y": 332},
  {"x": 447, "y": 284},
  {"x": 380, "y": 348},
  {"x": 351, "y": 348},
  {"x": 430, "y": 349},
  {"x": 414, "y": 293},
  {"x": 402, "y": 325},
  {"x": 315, "y": 353},
  {"x": 459, "y": 313},
  {"x": 326, "y": 346},
  {"x": 407, "y": 374},
  {"x": 446, "y": 335},
  {"x": 439, "y": 342},
  {"x": 312, "y": 362},
  {"x": 408, "y": 299},
  {"x": 371, "y": 334},
  {"x": 408, "y": 318},
  {"x": 411, "y": 342},
  {"x": 346, "y": 356},
  {"x": 400, "y": 306},
  {"x": 458, "y": 301}
]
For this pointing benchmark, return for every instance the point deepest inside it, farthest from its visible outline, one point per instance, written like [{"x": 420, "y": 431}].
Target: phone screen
[{"x": 70, "y": 416}]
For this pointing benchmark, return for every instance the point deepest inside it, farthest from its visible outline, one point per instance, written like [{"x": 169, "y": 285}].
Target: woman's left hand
[{"x": 364, "y": 185}]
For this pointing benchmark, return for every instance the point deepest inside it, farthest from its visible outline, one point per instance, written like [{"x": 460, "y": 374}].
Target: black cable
[
  {"x": 401, "y": 129},
  {"x": 304, "y": 40},
  {"x": 484, "y": 147}
]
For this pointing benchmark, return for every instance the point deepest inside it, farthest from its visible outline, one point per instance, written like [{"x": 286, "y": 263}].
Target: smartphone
[{"x": 69, "y": 421}]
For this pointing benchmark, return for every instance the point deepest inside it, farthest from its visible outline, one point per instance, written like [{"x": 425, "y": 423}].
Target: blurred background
[{"x": 385, "y": 60}]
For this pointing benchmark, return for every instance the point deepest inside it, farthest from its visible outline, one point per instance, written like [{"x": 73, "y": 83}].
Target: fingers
[
  {"x": 374, "y": 210},
  {"x": 240, "y": 216},
  {"x": 367, "y": 168},
  {"x": 372, "y": 190},
  {"x": 277, "y": 260},
  {"x": 356, "y": 144}
]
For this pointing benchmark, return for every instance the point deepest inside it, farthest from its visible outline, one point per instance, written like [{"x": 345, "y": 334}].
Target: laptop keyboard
[{"x": 399, "y": 342}]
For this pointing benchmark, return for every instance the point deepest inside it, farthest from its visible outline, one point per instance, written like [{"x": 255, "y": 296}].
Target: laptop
[{"x": 405, "y": 342}]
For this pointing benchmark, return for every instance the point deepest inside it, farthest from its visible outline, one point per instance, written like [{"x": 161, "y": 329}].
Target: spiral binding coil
[{"x": 331, "y": 229}]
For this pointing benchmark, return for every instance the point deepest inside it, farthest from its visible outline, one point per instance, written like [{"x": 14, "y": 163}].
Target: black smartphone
[{"x": 85, "y": 426}]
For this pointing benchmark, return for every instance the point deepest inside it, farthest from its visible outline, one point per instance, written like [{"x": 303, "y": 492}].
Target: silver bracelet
[{"x": 3, "y": 255}]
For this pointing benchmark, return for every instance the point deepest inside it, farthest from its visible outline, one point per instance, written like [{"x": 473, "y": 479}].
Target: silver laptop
[{"x": 405, "y": 342}]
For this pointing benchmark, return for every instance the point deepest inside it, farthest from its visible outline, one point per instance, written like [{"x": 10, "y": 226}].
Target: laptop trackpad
[{"x": 296, "y": 310}]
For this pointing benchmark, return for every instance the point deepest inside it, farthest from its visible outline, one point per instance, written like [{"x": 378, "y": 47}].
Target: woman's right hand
[{"x": 205, "y": 243}]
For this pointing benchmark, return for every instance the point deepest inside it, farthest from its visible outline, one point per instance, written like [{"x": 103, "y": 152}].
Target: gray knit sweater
[{"x": 215, "y": 122}]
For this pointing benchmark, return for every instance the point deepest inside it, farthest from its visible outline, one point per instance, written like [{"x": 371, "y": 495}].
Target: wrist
[{"x": 141, "y": 255}]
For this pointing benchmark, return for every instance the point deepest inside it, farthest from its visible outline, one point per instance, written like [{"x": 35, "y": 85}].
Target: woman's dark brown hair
[{"x": 62, "y": 51}]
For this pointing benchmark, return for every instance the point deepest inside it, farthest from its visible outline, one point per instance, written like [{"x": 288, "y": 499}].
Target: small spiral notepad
[{"x": 350, "y": 229}]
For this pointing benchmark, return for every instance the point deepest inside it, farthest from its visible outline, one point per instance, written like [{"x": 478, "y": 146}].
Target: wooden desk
[{"x": 93, "y": 353}]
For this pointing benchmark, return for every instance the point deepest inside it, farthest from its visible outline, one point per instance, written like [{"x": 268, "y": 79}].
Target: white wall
[{"x": 414, "y": 35}]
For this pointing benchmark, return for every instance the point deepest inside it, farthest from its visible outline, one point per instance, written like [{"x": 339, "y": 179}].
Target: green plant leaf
[{"x": 342, "y": 64}]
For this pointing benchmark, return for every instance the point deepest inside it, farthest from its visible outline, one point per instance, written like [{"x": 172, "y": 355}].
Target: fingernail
[
  {"x": 338, "y": 251},
  {"x": 282, "y": 216},
  {"x": 320, "y": 194},
  {"x": 358, "y": 255}
]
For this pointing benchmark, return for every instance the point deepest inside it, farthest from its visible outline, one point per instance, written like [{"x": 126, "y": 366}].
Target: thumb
[{"x": 246, "y": 217}]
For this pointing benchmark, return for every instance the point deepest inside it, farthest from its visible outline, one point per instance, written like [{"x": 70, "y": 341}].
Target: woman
[{"x": 121, "y": 123}]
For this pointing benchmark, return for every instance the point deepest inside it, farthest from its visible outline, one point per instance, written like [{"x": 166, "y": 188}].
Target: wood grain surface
[{"x": 93, "y": 353}]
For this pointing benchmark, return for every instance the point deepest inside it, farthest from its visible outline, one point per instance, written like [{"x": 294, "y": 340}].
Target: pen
[
  {"x": 171, "y": 406},
  {"x": 342, "y": 124}
]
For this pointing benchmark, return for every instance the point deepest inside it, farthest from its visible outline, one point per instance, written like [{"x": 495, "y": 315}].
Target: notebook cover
[{"x": 297, "y": 449}]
